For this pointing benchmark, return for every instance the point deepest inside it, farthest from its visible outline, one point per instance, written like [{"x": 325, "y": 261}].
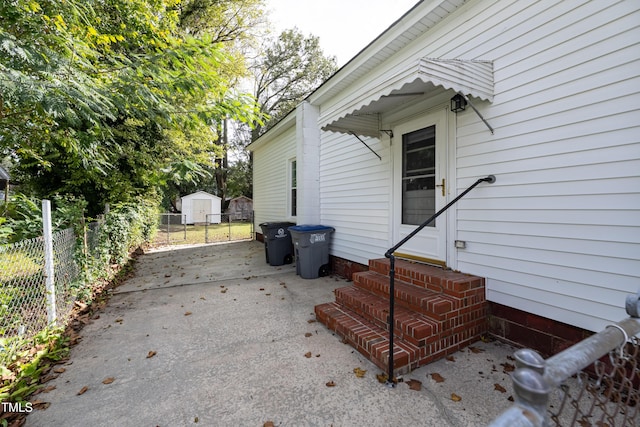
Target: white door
[
  {"x": 201, "y": 208},
  {"x": 420, "y": 160}
]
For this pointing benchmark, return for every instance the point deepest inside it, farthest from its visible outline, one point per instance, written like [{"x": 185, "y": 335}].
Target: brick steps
[{"x": 437, "y": 312}]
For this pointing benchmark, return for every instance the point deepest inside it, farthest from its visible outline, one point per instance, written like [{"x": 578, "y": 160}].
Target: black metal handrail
[{"x": 392, "y": 263}]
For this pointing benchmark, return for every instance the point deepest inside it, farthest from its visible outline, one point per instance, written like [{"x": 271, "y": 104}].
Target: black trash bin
[
  {"x": 278, "y": 248},
  {"x": 311, "y": 246}
]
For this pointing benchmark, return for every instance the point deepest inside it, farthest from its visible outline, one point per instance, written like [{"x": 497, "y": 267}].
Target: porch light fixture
[{"x": 458, "y": 103}]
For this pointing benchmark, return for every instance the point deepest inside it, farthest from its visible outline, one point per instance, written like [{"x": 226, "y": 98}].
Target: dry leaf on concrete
[
  {"x": 455, "y": 397},
  {"x": 40, "y": 405},
  {"x": 414, "y": 385},
  {"x": 499, "y": 388},
  {"x": 308, "y": 355},
  {"x": 108, "y": 380},
  {"x": 382, "y": 378},
  {"x": 508, "y": 367},
  {"x": 82, "y": 390},
  {"x": 437, "y": 378},
  {"x": 331, "y": 384},
  {"x": 359, "y": 372},
  {"x": 151, "y": 354}
]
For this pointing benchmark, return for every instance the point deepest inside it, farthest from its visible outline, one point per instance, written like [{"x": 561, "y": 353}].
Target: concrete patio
[{"x": 212, "y": 335}]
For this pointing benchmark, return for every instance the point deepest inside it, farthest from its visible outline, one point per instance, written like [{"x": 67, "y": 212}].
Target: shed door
[
  {"x": 419, "y": 186},
  {"x": 201, "y": 208}
]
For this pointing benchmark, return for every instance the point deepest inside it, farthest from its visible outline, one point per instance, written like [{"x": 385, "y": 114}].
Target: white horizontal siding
[
  {"x": 355, "y": 191},
  {"x": 558, "y": 234},
  {"x": 270, "y": 178}
]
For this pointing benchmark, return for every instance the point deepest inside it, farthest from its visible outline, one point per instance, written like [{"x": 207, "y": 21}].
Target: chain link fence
[
  {"x": 595, "y": 383},
  {"x": 25, "y": 307},
  {"x": 173, "y": 230}
]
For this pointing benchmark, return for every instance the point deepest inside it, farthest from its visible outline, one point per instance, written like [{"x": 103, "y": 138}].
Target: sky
[{"x": 344, "y": 27}]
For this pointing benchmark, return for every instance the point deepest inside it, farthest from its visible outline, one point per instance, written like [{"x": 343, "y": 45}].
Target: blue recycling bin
[
  {"x": 278, "y": 248},
  {"x": 311, "y": 248}
]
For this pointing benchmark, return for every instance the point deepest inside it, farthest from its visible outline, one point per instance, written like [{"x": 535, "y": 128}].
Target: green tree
[
  {"x": 107, "y": 97},
  {"x": 289, "y": 68}
]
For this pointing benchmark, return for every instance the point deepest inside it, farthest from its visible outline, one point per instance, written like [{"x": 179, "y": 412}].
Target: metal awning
[{"x": 427, "y": 77}]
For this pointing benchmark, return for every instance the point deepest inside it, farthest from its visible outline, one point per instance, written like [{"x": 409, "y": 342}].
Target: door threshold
[{"x": 423, "y": 260}]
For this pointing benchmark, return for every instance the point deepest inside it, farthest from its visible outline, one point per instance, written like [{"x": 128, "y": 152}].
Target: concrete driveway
[{"x": 214, "y": 336}]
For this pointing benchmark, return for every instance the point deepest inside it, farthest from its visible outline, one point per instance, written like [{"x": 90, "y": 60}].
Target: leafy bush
[{"x": 128, "y": 226}]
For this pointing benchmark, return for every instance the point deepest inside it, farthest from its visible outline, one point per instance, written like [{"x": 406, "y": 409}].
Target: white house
[
  {"x": 201, "y": 207},
  {"x": 552, "y": 94}
]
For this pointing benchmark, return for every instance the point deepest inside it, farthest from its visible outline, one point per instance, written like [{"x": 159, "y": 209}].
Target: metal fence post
[{"x": 48, "y": 262}]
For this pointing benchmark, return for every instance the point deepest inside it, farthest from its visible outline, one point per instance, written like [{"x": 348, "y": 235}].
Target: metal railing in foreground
[{"x": 579, "y": 386}]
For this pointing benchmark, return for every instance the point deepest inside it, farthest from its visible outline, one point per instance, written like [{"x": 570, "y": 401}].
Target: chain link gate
[
  {"x": 173, "y": 230},
  {"x": 228, "y": 227}
]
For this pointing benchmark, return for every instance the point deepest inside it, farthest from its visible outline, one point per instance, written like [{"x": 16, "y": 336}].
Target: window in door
[{"x": 418, "y": 175}]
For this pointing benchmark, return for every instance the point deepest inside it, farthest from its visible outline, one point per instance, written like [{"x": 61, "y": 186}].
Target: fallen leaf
[
  {"x": 414, "y": 385},
  {"x": 451, "y": 358},
  {"x": 40, "y": 405},
  {"x": 119, "y": 320},
  {"x": 508, "y": 367},
  {"x": 359, "y": 372},
  {"x": 167, "y": 275},
  {"x": 269, "y": 424},
  {"x": 188, "y": 313},
  {"x": 307, "y": 355},
  {"x": 455, "y": 397},
  {"x": 476, "y": 350},
  {"x": 108, "y": 380},
  {"x": 437, "y": 378},
  {"x": 308, "y": 334},
  {"x": 223, "y": 291},
  {"x": 82, "y": 390},
  {"x": 59, "y": 370},
  {"x": 510, "y": 399},
  {"x": 47, "y": 389},
  {"x": 311, "y": 321},
  {"x": 151, "y": 354},
  {"x": 331, "y": 384},
  {"x": 382, "y": 378},
  {"x": 499, "y": 388},
  {"x": 196, "y": 419}
]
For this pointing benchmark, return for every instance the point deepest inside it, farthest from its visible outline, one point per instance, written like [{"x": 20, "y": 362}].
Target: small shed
[
  {"x": 201, "y": 207},
  {"x": 240, "y": 208}
]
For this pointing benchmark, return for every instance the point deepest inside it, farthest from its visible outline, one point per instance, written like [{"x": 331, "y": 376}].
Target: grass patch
[{"x": 194, "y": 234}]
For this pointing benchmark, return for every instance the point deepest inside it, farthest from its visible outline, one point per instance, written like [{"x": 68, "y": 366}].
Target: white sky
[{"x": 344, "y": 27}]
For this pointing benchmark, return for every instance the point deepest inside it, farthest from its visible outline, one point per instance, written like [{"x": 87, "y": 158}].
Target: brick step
[
  {"x": 410, "y": 326},
  {"x": 432, "y": 304},
  {"x": 455, "y": 284},
  {"x": 370, "y": 340}
]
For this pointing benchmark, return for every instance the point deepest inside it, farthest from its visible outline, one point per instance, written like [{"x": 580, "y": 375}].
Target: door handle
[{"x": 443, "y": 187}]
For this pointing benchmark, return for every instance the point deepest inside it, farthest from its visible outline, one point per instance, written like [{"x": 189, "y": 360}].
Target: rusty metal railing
[{"x": 581, "y": 386}]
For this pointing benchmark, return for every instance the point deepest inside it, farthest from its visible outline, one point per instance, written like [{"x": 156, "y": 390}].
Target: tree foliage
[
  {"x": 289, "y": 69},
  {"x": 110, "y": 99}
]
